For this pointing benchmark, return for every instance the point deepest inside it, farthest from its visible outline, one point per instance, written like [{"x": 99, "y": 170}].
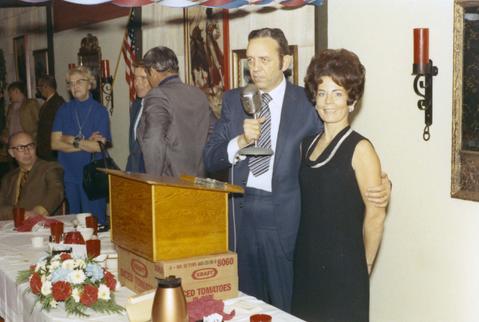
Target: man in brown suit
[
  {"x": 174, "y": 120},
  {"x": 36, "y": 185},
  {"x": 47, "y": 86},
  {"x": 22, "y": 114}
]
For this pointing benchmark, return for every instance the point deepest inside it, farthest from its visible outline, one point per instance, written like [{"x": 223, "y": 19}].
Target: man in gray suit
[{"x": 174, "y": 121}]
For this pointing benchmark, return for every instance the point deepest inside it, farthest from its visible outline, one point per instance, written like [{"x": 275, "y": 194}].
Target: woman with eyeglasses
[{"x": 78, "y": 127}]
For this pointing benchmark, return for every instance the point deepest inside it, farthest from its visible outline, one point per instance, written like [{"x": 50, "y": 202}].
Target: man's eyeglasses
[
  {"x": 23, "y": 148},
  {"x": 77, "y": 82}
]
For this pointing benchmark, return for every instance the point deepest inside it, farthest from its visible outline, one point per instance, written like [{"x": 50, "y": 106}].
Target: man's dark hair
[
  {"x": 162, "y": 59},
  {"x": 139, "y": 63},
  {"x": 275, "y": 34},
  {"x": 49, "y": 81},
  {"x": 19, "y": 86}
]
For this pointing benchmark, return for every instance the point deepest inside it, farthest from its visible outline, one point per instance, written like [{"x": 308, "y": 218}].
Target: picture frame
[
  {"x": 241, "y": 70},
  {"x": 40, "y": 64},
  {"x": 465, "y": 116},
  {"x": 206, "y": 34},
  {"x": 19, "y": 52}
]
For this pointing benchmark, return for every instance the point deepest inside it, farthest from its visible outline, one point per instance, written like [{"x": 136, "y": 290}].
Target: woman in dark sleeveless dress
[{"x": 340, "y": 231}]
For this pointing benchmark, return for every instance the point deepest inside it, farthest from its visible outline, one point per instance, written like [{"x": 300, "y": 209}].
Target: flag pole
[{"x": 121, "y": 48}]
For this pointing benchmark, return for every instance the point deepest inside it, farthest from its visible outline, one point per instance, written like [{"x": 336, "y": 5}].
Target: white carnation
[
  {"x": 104, "y": 292},
  {"x": 80, "y": 263},
  {"x": 46, "y": 288},
  {"x": 77, "y": 276},
  {"x": 69, "y": 264},
  {"x": 54, "y": 265},
  {"x": 76, "y": 294}
]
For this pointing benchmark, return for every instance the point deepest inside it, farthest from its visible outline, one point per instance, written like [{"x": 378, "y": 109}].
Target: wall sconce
[
  {"x": 423, "y": 67},
  {"x": 107, "y": 83}
]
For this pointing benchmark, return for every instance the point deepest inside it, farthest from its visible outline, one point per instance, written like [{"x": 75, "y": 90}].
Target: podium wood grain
[{"x": 168, "y": 218}]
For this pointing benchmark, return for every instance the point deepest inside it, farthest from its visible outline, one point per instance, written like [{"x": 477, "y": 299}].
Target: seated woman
[
  {"x": 78, "y": 127},
  {"x": 340, "y": 230}
]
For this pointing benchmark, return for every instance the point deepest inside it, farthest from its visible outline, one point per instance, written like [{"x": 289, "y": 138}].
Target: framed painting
[
  {"x": 241, "y": 75},
  {"x": 19, "y": 51},
  {"x": 465, "y": 116},
  {"x": 206, "y": 52},
  {"x": 40, "y": 64}
]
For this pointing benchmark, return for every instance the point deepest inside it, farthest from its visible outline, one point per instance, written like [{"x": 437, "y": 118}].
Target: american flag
[{"x": 130, "y": 51}]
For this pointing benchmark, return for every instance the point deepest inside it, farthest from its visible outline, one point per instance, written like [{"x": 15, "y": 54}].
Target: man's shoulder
[
  {"x": 31, "y": 103},
  {"x": 44, "y": 165},
  {"x": 9, "y": 176},
  {"x": 298, "y": 90},
  {"x": 57, "y": 99}
]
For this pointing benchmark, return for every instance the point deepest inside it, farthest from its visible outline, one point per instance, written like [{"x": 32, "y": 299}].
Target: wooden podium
[{"x": 163, "y": 218}]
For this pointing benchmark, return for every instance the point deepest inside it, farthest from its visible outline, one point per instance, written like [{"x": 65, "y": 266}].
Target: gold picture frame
[
  {"x": 465, "y": 117},
  {"x": 241, "y": 71}
]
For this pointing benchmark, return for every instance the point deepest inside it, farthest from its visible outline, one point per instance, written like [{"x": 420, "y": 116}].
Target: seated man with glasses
[{"x": 36, "y": 185}]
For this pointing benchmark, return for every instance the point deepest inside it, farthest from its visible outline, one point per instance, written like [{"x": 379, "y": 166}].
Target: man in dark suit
[
  {"x": 174, "y": 122},
  {"x": 264, "y": 221},
  {"x": 36, "y": 185},
  {"x": 47, "y": 86},
  {"x": 135, "y": 161}
]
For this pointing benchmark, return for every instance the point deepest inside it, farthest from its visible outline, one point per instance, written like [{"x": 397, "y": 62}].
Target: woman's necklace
[{"x": 80, "y": 135}]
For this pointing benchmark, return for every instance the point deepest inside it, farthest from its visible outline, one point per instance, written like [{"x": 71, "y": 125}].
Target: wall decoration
[
  {"x": 40, "y": 64},
  {"x": 206, "y": 52},
  {"x": 19, "y": 51},
  {"x": 241, "y": 75},
  {"x": 465, "y": 120}
]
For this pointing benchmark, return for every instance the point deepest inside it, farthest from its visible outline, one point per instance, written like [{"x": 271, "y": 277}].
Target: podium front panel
[{"x": 163, "y": 222}]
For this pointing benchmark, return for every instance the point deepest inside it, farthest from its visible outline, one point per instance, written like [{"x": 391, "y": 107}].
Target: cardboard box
[{"x": 215, "y": 275}]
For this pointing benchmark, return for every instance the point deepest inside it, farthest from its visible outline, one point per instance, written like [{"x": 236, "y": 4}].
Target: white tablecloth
[{"x": 16, "y": 305}]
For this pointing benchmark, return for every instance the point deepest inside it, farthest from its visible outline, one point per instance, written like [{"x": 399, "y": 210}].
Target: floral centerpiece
[{"x": 80, "y": 283}]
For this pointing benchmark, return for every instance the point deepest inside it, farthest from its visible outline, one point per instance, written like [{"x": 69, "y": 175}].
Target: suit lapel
[{"x": 285, "y": 126}]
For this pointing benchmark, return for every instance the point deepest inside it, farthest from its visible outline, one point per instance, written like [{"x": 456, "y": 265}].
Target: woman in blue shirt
[{"x": 79, "y": 125}]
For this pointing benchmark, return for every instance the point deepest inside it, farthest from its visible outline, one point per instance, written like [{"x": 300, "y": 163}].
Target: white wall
[
  {"x": 428, "y": 264},
  {"x": 17, "y": 22}
]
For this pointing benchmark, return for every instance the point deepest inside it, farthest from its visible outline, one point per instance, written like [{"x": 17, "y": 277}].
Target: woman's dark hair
[{"x": 344, "y": 68}]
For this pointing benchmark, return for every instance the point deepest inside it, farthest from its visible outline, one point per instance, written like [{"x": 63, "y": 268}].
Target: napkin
[
  {"x": 32, "y": 221},
  {"x": 139, "y": 307},
  {"x": 205, "y": 306}
]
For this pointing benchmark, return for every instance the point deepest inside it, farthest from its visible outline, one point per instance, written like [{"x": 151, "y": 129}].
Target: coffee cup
[
  {"x": 92, "y": 222},
  {"x": 93, "y": 247},
  {"x": 18, "y": 216},
  {"x": 56, "y": 231},
  {"x": 260, "y": 318}
]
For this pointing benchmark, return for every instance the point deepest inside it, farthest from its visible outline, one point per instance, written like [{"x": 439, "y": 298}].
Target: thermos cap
[{"x": 169, "y": 282}]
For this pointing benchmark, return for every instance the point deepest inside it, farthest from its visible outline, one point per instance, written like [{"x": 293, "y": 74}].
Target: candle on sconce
[
  {"x": 105, "y": 68},
  {"x": 421, "y": 46}
]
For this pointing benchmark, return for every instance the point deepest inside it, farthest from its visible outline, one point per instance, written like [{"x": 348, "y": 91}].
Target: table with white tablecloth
[{"x": 17, "y": 305}]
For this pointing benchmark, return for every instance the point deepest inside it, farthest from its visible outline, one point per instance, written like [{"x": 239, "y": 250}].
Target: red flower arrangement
[{"x": 79, "y": 283}]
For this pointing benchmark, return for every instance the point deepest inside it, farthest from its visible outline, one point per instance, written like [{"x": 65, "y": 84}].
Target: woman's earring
[{"x": 351, "y": 108}]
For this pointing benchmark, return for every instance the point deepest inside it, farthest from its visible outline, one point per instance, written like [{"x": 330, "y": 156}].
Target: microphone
[{"x": 251, "y": 99}]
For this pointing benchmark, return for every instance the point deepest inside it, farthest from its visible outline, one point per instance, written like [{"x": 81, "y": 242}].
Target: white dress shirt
[{"x": 264, "y": 180}]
